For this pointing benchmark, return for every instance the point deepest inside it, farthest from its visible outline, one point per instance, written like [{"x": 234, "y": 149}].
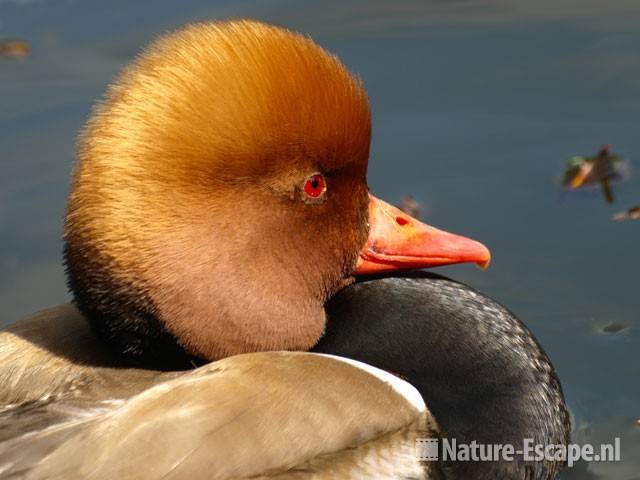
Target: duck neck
[{"x": 481, "y": 372}]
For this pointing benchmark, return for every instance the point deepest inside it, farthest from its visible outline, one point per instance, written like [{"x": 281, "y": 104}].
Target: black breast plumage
[{"x": 480, "y": 370}]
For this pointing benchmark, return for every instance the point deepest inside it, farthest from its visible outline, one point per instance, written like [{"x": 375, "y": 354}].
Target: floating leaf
[
  {"x": 632, "y": 214},
  {"x": 14, "y": 48}
]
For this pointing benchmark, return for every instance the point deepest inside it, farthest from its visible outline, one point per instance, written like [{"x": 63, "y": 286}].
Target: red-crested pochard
[{"x": 219, "y": 207}]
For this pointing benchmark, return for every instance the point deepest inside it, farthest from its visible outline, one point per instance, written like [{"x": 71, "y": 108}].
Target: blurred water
[{"x": 476, "y": 105}]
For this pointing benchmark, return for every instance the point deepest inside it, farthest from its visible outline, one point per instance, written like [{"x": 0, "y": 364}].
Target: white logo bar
[{"x": 446, "y": 449}]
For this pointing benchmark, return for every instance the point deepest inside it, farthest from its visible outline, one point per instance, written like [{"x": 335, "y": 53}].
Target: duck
[
  {"x": 244, "y": 307},
  {"x": 602, "y": 168}
]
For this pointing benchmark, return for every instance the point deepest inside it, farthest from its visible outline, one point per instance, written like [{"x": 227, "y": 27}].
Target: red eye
[{"x": 315, "y": 186}]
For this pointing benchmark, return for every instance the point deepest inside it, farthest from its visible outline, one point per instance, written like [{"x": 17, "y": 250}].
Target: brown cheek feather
[{"x": 227, "y": 292}]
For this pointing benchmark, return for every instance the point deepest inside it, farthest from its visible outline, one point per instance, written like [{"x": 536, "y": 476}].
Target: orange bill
[{"x": 400, "y": 242}]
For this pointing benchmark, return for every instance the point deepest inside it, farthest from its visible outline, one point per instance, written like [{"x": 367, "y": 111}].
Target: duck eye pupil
[{"x": 314, "y": 186}]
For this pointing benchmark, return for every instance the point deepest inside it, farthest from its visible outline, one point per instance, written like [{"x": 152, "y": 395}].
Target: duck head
[{"x": 220, "y": 197}]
